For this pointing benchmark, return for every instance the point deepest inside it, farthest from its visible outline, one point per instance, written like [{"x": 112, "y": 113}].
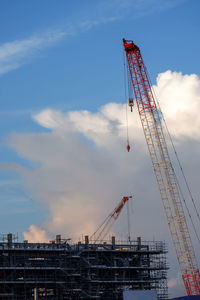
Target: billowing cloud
[
  {"x": 175, "y": 285},
  {"x": 83, "y": 161},
  {"x": 172, "y": 283},
  {"x": 36, "y": 235},
  {"x": 180, "y": 96},
  {"x": 84, "y": 169}
]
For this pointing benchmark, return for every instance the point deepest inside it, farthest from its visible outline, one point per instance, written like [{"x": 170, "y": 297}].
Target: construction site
[
  {"x": 102, "y": 268},
  {"x": 85, "y": 270}
]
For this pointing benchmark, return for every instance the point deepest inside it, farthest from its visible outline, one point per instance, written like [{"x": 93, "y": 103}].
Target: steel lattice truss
[
  {"x": 86, "y": 270},
  {"x": 163, "y": 169}
]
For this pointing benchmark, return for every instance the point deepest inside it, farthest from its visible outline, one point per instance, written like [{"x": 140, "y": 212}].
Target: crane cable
[
  {"x": 197, "y": 236},
  {"x": 180, "y": 166},
  {"x": 101, "y": 226},
  {"x": 125, "y": 92},
  {"x": 128, "y": 220}
]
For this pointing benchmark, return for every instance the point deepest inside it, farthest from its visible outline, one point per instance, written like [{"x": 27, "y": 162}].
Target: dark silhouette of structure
[{"x": 85, "y": 270}]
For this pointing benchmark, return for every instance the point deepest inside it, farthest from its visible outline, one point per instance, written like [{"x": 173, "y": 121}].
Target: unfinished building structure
[{"x": 62, "y": 270}]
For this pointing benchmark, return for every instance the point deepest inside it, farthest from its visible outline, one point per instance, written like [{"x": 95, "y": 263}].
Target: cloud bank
[
  {"x": 84, "y": 168},
  {"x": 36, "y": 234}
]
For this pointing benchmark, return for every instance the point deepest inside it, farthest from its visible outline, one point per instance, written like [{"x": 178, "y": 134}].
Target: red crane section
[
  {"x": 163, "y": 169},
  {"x": 104, "y": 228}
]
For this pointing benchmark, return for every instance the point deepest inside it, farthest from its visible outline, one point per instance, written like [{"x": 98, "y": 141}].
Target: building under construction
[{"x": 85, "y": 270}]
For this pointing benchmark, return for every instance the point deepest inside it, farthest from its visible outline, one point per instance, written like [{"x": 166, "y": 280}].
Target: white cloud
[
  {"x": 104, "y": 128},
  {"x": 36, "y": 235},
  {"x": 180, "y": 96},
  {"x": 88, "y": 24},
  {"x": 175, "y": 92},
  {"x": 15, "y": 54},
  {"x": 85, "y": 169},
  {"x": 76, "y": 176},
  {"x": 140, "y": 8},
  {"x": 23, "y": 47},
  {"x": 172, "y": 282},
  {"x": 176, "y": 286},
  {"x": 7, "y": 67}
]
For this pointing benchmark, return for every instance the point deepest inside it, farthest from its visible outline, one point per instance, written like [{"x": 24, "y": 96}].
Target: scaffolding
[{"x": 84, "y": 270}]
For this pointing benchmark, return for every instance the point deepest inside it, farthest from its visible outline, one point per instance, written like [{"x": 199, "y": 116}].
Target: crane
[
  {"x": 164, "y": 172},
  {"x": 103, "y": 229}
]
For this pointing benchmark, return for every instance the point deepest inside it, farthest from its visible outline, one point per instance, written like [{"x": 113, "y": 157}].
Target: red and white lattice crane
[
  {"x": 103, "y": 229},
  {"x": 162, "y": 166}
]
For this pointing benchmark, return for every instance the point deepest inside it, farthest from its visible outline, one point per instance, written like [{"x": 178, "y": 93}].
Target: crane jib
[{"x": 164, "y": 172}]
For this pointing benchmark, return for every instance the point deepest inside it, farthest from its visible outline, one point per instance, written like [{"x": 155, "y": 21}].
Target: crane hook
[
  {"x": 128, "y": 147},
  {"x": 131, "y": 103}
]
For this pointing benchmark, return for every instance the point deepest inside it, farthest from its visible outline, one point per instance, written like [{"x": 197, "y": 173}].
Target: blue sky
[
  {"x": 68, "y": 56},
  {"x": 82, "y": 67},
  {"x": 85, "y": 59}
]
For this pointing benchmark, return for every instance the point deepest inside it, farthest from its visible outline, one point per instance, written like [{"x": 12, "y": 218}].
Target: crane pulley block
[{"x": 131, "y": 103}]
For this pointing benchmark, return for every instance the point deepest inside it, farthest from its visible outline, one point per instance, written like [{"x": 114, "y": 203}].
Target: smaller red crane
[{"x": 103, "y": 229}]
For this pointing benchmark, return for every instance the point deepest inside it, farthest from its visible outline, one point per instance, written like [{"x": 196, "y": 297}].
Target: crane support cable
[
  {"x": 104, "y": 228},
  {"x": 180, "y": 166},
  {"x": 176, "y": 155},
  {"x": 194, "y": 227},
  {"x": 163, "y": 169},
  {"x": 100, "y": 226},
  {"x": 125, "y": 92},
  {"x": 128, "y": 221}
]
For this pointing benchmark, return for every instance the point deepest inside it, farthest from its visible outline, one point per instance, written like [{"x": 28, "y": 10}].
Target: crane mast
[{"x": 163, "y": 169}]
